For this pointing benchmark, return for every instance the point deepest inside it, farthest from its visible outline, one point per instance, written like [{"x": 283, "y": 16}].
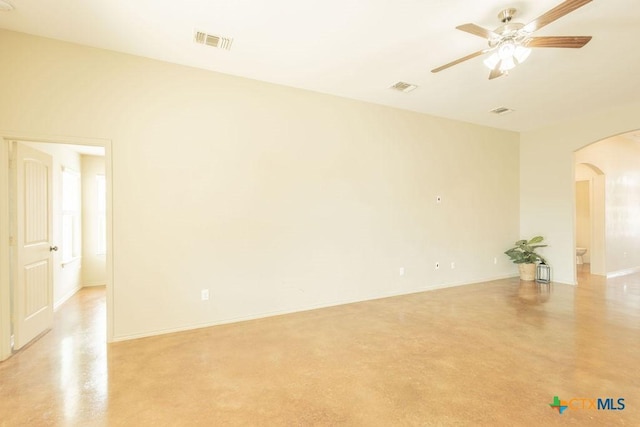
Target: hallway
[{"x": 493, "y": 353}]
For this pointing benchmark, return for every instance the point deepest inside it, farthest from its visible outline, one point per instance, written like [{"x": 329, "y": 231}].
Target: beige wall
[
  {"x": 274, "y": 199},
  {"x": 94, "y": 263},
  {"x": 547, "y": 190}
]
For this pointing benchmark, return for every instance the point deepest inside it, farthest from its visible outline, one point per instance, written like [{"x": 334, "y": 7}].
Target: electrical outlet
[
  {"x": 495, "y": 260},
  {"x": 453, "y": 265},
  {"x": 437, "y": 265},
  {"x": 204, "y": 295},
  {"x": 401, "y": 271}
]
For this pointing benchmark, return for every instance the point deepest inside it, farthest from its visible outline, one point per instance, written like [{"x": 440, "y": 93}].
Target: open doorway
[
  {"x": 607, "y": 206},
  {"x": 79, "y": 217},
  {"x": 80, "y": 225},
  {"x": 590, "y": 219}
]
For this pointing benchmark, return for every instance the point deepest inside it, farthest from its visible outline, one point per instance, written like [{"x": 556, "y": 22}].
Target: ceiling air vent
[
  {"x": 213, "y": 40},
  {"x": 501, "y": 110},
  {"x": 404, "y": 87}
]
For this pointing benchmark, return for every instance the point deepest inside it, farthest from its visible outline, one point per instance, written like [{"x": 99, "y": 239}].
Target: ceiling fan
[{"x": 510, "y": 44}]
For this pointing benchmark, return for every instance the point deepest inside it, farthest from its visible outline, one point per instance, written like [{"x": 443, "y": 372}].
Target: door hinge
[
  {"x": 12, "y": 341},
  {"x": 12, "y": 241}
]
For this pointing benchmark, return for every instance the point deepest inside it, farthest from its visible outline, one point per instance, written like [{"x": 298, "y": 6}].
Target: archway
[{"x": 607, "y": 173}]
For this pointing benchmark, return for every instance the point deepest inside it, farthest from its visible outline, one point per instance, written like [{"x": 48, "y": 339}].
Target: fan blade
[
  {"x": 556, "y": 13},
  {"x": 496, "y": 72},
  {"x": 477, "y": 30},
  {"x": 459, "y": 60},
  {"x": 559, "y": 41}
]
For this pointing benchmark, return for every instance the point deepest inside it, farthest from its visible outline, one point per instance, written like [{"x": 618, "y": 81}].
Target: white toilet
[{"x": 579, "y": 253}]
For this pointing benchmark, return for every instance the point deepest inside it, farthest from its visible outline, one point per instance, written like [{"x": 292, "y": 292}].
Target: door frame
[{"x": 5, "y": 256}]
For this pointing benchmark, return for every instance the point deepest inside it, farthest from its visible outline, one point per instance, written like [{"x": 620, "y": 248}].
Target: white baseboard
[
  {"x": 65, "y": 297},
  {"x": 623, "y": 272},
  {"x": 454, "y": 284},
  {"x": 118, "y": 338}
]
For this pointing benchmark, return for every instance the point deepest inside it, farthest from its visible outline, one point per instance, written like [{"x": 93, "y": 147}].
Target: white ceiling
[{"x": 359, "y": 48}]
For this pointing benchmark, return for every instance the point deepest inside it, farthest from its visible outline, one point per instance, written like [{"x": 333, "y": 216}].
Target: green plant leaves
[{"x": 524, "y": 251}]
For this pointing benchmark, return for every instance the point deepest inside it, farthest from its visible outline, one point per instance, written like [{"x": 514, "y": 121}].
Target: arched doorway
[{"x": 607, "y": 223}]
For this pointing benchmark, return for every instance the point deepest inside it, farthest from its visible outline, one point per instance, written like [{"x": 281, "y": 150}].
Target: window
[
  {"x": 71, "y": 232},
  {"x": 101, "y": 195}
]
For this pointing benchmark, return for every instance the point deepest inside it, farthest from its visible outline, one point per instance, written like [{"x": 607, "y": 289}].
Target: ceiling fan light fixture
[
  {"x": 508, "y": 55},
  {"x": 506, "y": 50},
  {"x": 509, "y": 44},
  {"x": 507, "y": 64},
  {"x": 492, "y": 61},
  {"x": 521, "y": 53}
]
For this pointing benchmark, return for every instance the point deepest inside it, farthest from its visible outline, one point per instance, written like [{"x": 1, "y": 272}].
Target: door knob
[{"x": 53, "y": 248}]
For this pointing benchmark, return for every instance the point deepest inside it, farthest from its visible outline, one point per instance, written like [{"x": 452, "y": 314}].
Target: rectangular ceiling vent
[
  {"x": 213, "y": 40},
  {"x": 404, "y": 87},
  {"x": 501, "y": 110}
]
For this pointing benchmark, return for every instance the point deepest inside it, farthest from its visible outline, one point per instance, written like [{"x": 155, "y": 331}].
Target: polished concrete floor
[{"x": 491, "y": 354}]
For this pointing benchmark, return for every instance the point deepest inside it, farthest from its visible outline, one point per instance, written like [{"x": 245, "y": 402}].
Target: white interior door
[{"x": 32, "y": 227}]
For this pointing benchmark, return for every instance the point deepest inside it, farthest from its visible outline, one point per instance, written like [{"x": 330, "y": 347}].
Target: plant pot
[{"x": 527, "y": 271}]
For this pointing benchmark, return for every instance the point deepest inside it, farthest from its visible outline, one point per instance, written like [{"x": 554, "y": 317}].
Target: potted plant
[{"x": 524, "y": 254}]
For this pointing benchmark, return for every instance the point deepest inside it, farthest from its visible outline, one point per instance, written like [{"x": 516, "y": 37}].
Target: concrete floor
[{"x": 494, "y": 354}]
